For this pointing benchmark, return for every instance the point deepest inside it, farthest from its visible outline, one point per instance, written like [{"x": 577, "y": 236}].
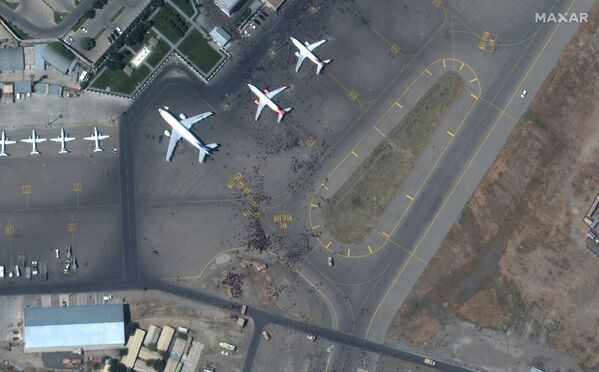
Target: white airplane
[
  {"x": 63, "y": 139},
  {"x": 305, "y": 50},
  {"x": 34, "y": 140},
  {"x": 265, "y": 99},
  {"x": 3, "y": 142},
  {"x": 96, "y": 137},
  {"x": 181, "y": 128}
]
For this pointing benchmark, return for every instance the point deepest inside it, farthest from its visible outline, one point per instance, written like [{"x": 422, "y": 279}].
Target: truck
[
  {"x": 226, "y": 345},
  {"x": 27, "y": 272},
  {"x": 1, "y": 272}
]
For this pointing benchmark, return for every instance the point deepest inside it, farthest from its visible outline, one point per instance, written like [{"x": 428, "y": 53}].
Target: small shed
[{"x": 221, "y": 36}]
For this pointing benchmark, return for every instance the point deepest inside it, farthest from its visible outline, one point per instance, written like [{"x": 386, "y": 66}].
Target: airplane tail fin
[
  {"x": 63, "y": 152},
  {"x": 98, "y": 149},
  {"x": 212, "y": 146},
  {"x": 281, "y": 114},
  {"x": 325, "y": 62}
]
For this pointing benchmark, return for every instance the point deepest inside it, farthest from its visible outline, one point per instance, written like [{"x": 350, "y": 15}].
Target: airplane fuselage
[
  {"x": 306, "y": 52},
  {"x": 262, "y": 97},
  {"x": 183, "y": 132}
]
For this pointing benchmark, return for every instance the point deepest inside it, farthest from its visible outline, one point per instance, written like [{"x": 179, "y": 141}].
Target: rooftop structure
[
  {"x": 56, "y": 59},
  {"x": 133, "y": 347},
  {"x": 274, "y": 4},
  {"x": 221, "y": 36},
  {"x": 165, "y": 339},
  {"x": 23, "y": 86},
  {"x": 228, "y": 6},
  {"x": 12, "y": 59},
  {"x": 172, "y": 364},
  {"x": 153, "y": 334},
  {"x": 92, "y": 327},
  {"x": 141, "y": 56}
]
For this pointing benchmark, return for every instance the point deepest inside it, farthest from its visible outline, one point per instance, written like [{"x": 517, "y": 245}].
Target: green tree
[
  {"x": 90, "y": 13},
  {"x": 88, "y": 43}
]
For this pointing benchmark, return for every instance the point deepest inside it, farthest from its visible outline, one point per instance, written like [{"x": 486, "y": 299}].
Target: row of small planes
[
  {"x": 63, "y": 138},
  {"x": 181, "y": 126}
]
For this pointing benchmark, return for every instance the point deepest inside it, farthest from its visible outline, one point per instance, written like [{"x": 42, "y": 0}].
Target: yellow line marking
[
  {"x": 428, "y": 72},
  {"x": 474, "y": 96},
  {"x": 398, "y": 104},
  {"x": 354, "y": 153},
  {"x": 349, "y": 253},
  {"x": 329, "y": 244},
  {"x": 444, "y": 66},
  {"x": 313, "y": 205},
  {"x": 459, "y": 180},
  {"x": 410, "y": 197},
  {"x": 323, "y": 296},
  {"x": 381, "y": 133},
  {"x": 385, "y": 234},
  {"x": 315, "y": 227},
  {"x": 473, "y": 80},
  {"x": 451, "y": 134},
  {"x": 462, "y": 66},
  {"x": 369, "y": 249}
]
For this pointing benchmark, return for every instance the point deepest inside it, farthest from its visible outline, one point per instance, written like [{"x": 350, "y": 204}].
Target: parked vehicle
[
  {"x": 118, "y": 31},
  {"x": 34, "y": 268},
  {"x": 1, "y": 272},
  {"x": 57, "y": 251},
  {"x": 266, "y": 335},
  {"x": 84, "y": 29}
]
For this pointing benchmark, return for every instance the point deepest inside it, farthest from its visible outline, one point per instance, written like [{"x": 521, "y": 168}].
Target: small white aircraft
[
  {"x": 305, "y": 50},
  {"x": 3, "y": 142},
  {"x": 265, "y": 99},
  {"x": 181, "y": 128},
  {"x": 63, "y": 139},
  {"x": 34, "y": 140},
  {"x": 96, "y": 137}
]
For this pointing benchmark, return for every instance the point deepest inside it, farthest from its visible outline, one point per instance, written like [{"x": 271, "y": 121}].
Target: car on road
[
  {"x": 84, "y": 30},
  {"x": 266, "y": 335},
  {"x": 430, "y": 362},
  {"x": 524, "y": 93},
  {"x": 1, "y": 272}
]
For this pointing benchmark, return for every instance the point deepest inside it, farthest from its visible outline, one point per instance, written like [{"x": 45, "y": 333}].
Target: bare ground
[
  {"x": 516, "y": 261},
  {"x": 357, "y": 206}
]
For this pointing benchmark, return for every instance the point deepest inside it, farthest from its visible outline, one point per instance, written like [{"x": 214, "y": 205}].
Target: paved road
[{"x": 36, "y": 31}]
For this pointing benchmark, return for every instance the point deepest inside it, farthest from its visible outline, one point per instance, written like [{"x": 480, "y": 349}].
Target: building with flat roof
[
  {"x": 228, "y": 6},
  {"x": 91, "y": 327},
  {"x": 153, "y": 334},
  {"x": 166, "y": 336},
  {"x": 274, "y": 4},
  {"x": 23, "y": 86},
  {"x": 133, "y": 347},
  {"x": 221, "y": 36},
  {"x": 12, "y": 59},
  {"x": 58, "y": 60}
]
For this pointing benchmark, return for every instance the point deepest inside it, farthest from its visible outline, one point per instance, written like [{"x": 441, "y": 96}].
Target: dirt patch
[
  {"x": 517, "y": 254},
  {"x": 357, "y": 206}
]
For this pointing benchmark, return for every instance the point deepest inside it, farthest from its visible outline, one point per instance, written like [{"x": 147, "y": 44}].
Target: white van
[
  {"x": 17, "y": 271},
  {"x": 1, "y": 272}
]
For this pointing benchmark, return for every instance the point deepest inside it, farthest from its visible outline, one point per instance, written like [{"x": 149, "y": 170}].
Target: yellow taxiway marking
[
  {"x": 462, "y": 66},
  {"x": 428, "y": 72},
  {"x": 379, "y": 131},
  {"x": 369, "y": 249},
  {"x": 451, "y": 134},
  {"x": 395, "y": 49},
  {"x": 10, "y": 230},
  {"x": 410, "y": 197},
  {"x": 349, "y": 253},
  {"x": 444, "y": 65},
  {"x": 473, "y": 80},
  {"x": 353, "y": 95},
  {"x": 385, "y": 234},
  {"x": 354, "y": 153},
  {"x": 72, "y": 226},
  {"x": 474, "y": 96},
  {"x": 315, "y": 227},
  {"x": 77, "y": 187},
  {"x": 26, "y": 189},
  {"x": 398, "y": 104},
  {"x": 437, "y": 3},
  {"x": 328, "y": 244}
]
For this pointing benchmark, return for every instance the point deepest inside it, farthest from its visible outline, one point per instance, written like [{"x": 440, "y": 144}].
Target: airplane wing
[
  {"x": 300, "y": 60},
  {"x": 28, "y": 140},
  {"x": 189, "y": 122},
  {"x": 103, "y": 136},
  {"x": 275, "y": 92},
  {"x": 57, "y": 139},
  {"x": 259, "y": 109},
  {"x": 203, "y": 155},
  {"x": 173, "y": 140},
  {"x": 7, "y": 142},
  {"x": 311, "y": 47},
  {"x": 92, "y": 138}
]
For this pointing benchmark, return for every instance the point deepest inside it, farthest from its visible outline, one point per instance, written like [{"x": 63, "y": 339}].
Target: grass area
[
  {"x": 20, "y": 33},
  {"x": 62, "y": 49},
  {"x": 60, "y": 16},
  {"x": 144, "y": 41},
  {"x": 119, "y": 82},
  {"x": 185, "y": 6},
  {"x": 357, "y": 206},
  {"x": 158, "y": 53},
  {"x": 170, "y": 23},
  {"x": 196, "y": 48},
  {"x": 10, "y": 4},
  {"x": 117, "y": 14},
  {"x": 243, "y": 18},
  {"x": 99, "y": 33}
]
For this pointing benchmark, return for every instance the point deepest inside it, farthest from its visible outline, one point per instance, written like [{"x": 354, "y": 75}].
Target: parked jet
[
  {"x": 34, "y": 140},
  {"x": 265, "y": 99},
  {"x": 305, "y": 50},
  {"x": 63, "y": 139},
  {"x": 181, "y": 128},
  {"x": 3, "y": 142},
  {"x": 96, "y": 137}
]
